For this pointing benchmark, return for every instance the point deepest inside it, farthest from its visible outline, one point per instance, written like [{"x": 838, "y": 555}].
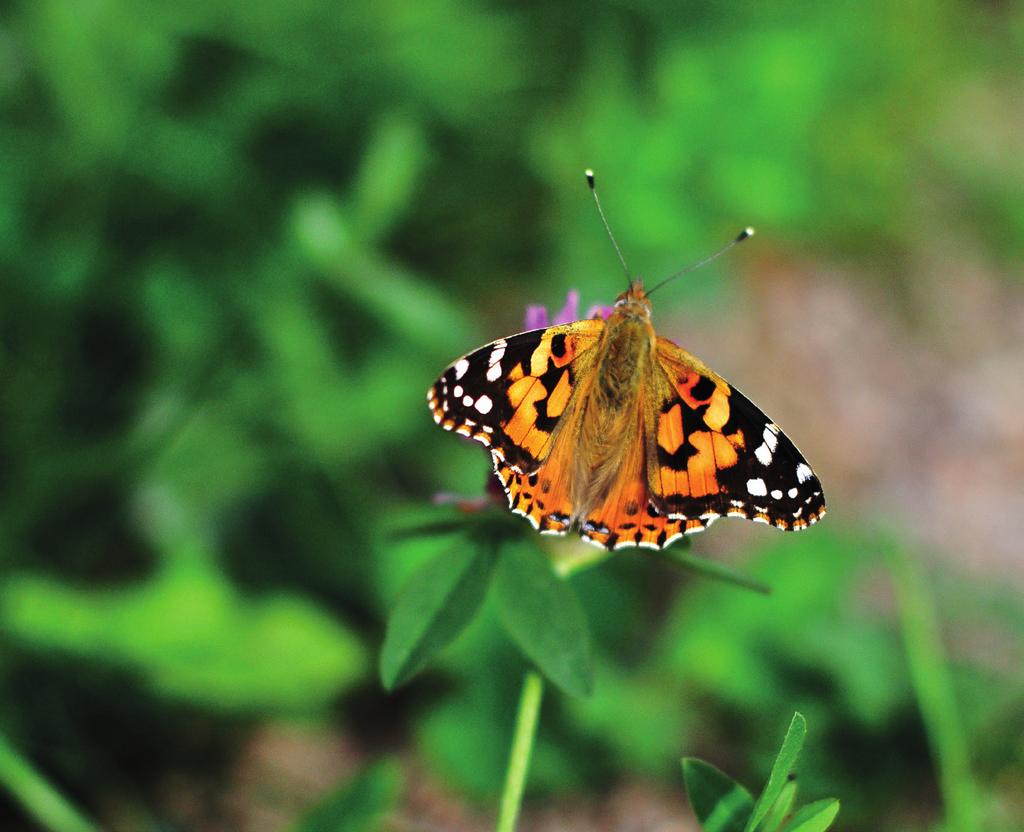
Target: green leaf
[
  {"x": 711, "y": 569},
  {"x": 781, "y": 808},
  {"x": 436, "y": 605},
  {"x": 357, "y": 806},
  {"x": 543, "y": 616},
  {"x": 720, "y": 803},
  {"x": 815, "y": 817},
  {"x": 784, "y": 764}
]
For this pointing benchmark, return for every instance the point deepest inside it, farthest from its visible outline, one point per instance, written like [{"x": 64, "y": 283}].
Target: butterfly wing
[
  {"x": 512, "y": 395},
  {"x": 711, "y": 452}
]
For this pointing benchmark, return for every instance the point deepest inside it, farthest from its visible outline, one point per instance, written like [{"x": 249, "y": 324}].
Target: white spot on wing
[
  {"x": 770, "y": 438},
  {"x": 496, "y": 355},
  {"x": 803, "y": 472},
  {"x": 793, "y": 492},
  {"x": 763, "y": 454},
  {"x": 776, "y": 494},
  {"x": 467, "y": 401},
  {"x": 457, "y": 391},
  {"x": 484, "y": 404},
  {"x": 757, "y": 487},
  {"x": 494, "y": 372},
  {"x": 460, "y": 368}
]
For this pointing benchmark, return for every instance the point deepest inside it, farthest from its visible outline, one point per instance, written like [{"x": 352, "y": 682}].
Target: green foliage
[
  {"x": 438, "y": 603},
  {"x": 814, "y": 817},
  {"x": 359, "y": 805},
  {"x": 712, "y": 569},
  {"x": 543, "y": 616},
  {"x": 934, "y": 690},
  {"x": 190, "y": 636},
  {"x": 782, "y": 808},
  {"x": 722, "y": 805},
  {"x": 50, "y": 809},
  {"x": 785, "y": 765},
  {"x": 239, "y": 240}
]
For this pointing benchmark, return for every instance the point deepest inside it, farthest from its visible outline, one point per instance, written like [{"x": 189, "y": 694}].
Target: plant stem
[
  {"x": 930, "y": 677},
  {"x": 39, "y": 799},
  {"x": 522, "y": 746}
]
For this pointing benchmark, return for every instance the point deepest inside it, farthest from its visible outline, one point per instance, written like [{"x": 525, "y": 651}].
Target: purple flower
[{"x": 537, "y": 316}]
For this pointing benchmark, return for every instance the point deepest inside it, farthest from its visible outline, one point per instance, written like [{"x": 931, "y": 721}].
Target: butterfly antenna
[
  {"x": 745, "y": 234},
  {"x": 593, "y": 190}
]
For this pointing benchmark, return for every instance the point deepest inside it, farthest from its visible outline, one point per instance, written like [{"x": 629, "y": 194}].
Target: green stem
[
  {"x": 39, "y": 799},
  {"x": 522, "y": 746},
  {"x": 933, "y": 686}
]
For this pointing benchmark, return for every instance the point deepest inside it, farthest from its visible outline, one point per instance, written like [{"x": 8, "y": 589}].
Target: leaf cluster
[{"x": 722, "y": 805}]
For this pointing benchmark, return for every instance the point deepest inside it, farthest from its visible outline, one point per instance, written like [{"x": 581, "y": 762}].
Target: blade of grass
[
  {"x": 784, "y": 764},
  {"x": 781, "y": 808},
  {"x": 36, "y": 795},
  {"x": 933, "y": 687}
]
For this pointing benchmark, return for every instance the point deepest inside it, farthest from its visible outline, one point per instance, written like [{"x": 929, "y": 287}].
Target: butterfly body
[{"x": 603, "y": 426}]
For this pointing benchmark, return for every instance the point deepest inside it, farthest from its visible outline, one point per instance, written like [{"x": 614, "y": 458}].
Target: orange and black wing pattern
[
  {"x": 513, "y": 394},
  {"x": 712, "y": 453}
]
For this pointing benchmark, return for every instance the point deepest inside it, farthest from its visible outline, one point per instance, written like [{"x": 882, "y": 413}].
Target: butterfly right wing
[
  {"x": 511, "y": 395},
  {"x": 713, "y": 453}
]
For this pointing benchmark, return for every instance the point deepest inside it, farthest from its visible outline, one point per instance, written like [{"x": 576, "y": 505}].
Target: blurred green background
[{"x": 238, "y": 241}]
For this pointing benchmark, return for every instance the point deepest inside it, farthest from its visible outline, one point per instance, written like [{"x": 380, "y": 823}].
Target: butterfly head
[{"x": 633, "y": 303}]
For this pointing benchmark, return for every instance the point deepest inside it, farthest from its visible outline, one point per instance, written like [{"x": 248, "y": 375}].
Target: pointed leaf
[
  {"x": 359, "y": 805},
  {"x": 815, "y": 817},
  {"x": 720, "y": 804},
  {"x": 784, "y": 764},
  {"x": 435, "y": 606},
  {"x": 781, "y": 809},
  {"x": 544, "y": 618}
]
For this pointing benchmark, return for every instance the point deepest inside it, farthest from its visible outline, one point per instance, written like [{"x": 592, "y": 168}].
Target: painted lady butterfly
[{"x": 605, "y": 426}]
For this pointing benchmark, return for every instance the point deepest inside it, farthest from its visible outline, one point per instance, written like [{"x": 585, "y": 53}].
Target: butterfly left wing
[
  {"x": 511, "y": 395},
  {"x": 711, "y": 452}
]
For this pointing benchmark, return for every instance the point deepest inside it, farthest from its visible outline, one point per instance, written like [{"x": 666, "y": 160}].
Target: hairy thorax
[{"x": 610, "y": 408}]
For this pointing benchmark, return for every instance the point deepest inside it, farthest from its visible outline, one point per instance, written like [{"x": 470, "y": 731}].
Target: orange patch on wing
[
  {"x": 518, "y": 390},
  {"x": 539, "y": 357},
  {"x": 701, "y": 466},
  {"x": 536, "y": 442},
  {"x": 670, "y": 429},
  {"x": 623, "y": 520},
  {"x": 559, "y": 397},
  {"x": 725, "y": 452},
  {"x": 542, "y": 497},
  {"x": 527, "y": 391},
  {"x": 674, "y": 483},
  {"x": 517, "y": 372},
  {"x": 717, "y": 413}
]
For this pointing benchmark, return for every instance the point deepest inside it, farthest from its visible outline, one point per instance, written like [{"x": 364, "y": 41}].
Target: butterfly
[{"x": 607, "y": 427}]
